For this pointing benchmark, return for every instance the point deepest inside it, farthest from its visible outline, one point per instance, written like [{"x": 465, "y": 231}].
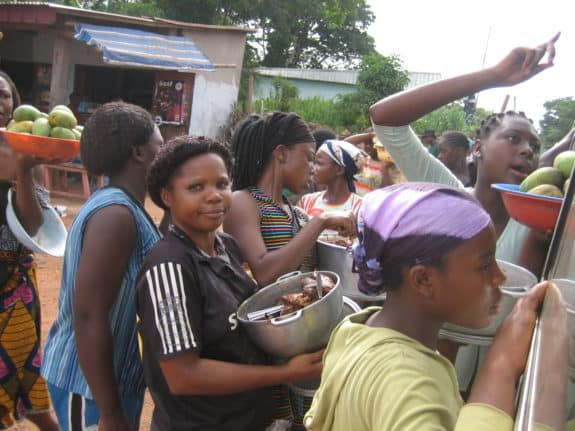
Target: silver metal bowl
[
  {"x": 304, "y": 331},
  {"x": 332, "y": 257},
  {"x": 518, "y": 282}
]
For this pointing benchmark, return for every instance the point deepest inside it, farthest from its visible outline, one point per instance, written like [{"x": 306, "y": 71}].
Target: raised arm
[
  {"x": 27, "y": 205},
  {"x": 519, "y": 65},
  {"x": 548, "y": 156}
]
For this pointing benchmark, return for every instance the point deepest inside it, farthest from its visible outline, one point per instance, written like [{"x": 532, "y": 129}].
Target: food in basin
[{"x": 302, "y": 331}]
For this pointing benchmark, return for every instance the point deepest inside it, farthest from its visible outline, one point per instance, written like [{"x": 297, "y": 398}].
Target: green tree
[
  {"x": 558, "y": 120},
  {"x": 295, "y": 33},
  {"x": 285, "y": 93},
  {"x": 379, "y": 76}
]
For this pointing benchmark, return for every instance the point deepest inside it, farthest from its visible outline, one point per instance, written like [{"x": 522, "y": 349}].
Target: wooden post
[
  {"x": 250, "y": 92},
  {"x": 60, "y": 71},
  {"x": 505, "y": 102}
]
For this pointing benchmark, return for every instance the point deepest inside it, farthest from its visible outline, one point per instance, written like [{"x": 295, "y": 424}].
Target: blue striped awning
[{"x": 129, "y": 47}]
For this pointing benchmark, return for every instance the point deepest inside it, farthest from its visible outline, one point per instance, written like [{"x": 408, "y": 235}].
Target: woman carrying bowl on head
[
  {"x": 23, "y": 392},
  {"x": 201, "y": 368}
]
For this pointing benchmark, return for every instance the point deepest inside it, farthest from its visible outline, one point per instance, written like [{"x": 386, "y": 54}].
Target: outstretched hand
[{"x": 522, "y": 63}]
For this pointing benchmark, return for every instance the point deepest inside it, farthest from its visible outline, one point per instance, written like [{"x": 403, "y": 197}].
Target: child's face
[
  {"x": 325, "y": 169},
  {"x": 467, "y": 291},
  {"x": 297, "y": 166},
  {"x": 200, "y": 194},
  {"x": 511, "y": 152}
]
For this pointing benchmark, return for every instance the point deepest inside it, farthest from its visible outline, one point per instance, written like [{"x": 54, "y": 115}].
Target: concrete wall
[
  {"x": 216, "y": 93},
  {"x": 263, "y": 88}
]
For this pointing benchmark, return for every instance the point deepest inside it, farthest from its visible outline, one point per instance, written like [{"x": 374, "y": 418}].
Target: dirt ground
[{"x": 49, "y": 271}]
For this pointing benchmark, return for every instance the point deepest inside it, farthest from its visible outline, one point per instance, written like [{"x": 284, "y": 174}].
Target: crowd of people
[{"x": 148, "y": 307}]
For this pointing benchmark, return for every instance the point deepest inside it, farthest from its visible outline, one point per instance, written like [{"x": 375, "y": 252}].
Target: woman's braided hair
[
  {"x": 256, "y": 138},
  {"x": 493, "y": 121}
]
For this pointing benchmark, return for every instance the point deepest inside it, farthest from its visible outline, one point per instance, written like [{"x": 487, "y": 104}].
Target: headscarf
[
  {"x": 347, "y": 156},
  {"x": 411, "y": 224}
]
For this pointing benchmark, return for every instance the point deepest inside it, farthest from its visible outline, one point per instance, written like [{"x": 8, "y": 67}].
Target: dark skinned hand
[{"x": 523, "y": 63}]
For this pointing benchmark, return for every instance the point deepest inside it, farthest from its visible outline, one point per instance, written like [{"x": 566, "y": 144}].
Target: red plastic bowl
[
  {"x": 42, "y": 146},
  {"x": 536, "y": 211}
]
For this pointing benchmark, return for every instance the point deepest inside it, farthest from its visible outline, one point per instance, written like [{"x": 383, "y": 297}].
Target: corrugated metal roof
[
  {"x": 339, "y": 76},
  {"x": 147, "y": 21}
]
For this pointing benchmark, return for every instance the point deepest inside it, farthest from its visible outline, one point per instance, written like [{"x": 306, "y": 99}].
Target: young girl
[
  {"x": 336, "y": 164},
  {"x": 507, "y": 146},
  {"x": 202, "y": 369},
  {"x": 271, "y": 154},
  {"x": 431, "y": 248},
  {"x": 23, "y": 392},
  {"x": 92, "y": 362}
]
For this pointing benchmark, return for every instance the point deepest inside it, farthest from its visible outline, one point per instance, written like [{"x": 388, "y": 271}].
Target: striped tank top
[
  {"x": 61, "y": 366},
  {"x": 278, "y": 227}
]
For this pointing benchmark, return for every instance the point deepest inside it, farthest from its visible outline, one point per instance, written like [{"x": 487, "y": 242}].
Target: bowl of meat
[{"x": 294, "y": 315}]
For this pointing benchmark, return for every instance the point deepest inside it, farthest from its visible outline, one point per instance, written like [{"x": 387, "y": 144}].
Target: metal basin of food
[
  {"x": 303, "y": 331},
  {"x": 332, "y": 257},
  {"x": 518, "y": 282}
]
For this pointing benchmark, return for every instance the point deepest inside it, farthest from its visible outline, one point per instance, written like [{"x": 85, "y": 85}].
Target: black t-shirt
[{"x": 187, "y": 302}]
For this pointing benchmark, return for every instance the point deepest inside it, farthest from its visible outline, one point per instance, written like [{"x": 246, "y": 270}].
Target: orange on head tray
[{"x": 42, "y": 146}]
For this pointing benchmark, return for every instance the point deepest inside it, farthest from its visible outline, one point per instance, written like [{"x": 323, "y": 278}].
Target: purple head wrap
[{"x": 409, "y": 224}]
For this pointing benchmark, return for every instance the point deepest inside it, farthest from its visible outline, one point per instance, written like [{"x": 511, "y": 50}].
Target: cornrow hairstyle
[
  {"x": 16, "y": 101},
  {"x": 255, "y": 139},
  {"x": 455, "y": 139},
  {"x": 173, "y": 155},
  {"x": 493, "y": 121},
  {"x": 110, "y": 134}
]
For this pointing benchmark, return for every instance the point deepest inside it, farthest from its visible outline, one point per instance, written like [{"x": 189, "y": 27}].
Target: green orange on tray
[{"x": 54, "y": 136}]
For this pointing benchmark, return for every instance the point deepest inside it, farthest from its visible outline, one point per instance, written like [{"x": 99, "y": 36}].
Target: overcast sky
[{"x": 450, "y": 36}]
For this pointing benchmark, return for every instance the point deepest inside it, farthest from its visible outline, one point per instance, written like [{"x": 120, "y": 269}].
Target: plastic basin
[
  {"x": 536, "y": 211},
  {"x": 41, "y": 146}
]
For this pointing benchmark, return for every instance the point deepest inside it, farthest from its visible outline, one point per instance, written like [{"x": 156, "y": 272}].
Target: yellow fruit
[
  {"x": 62, "y": 108},
  {"x": 60, "y": 118},
  {"x": 25, "y": 113},
  {"x": 41, "y": 127},
  {"x": 546, "y": 175},
  {"x": 21, "y": 127},
  {"x": 77, "y": 133},
  {"x": 566, "y": 185},
  {"x": 546, "y": 190},
  {"x": 62, "y": 133}
]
